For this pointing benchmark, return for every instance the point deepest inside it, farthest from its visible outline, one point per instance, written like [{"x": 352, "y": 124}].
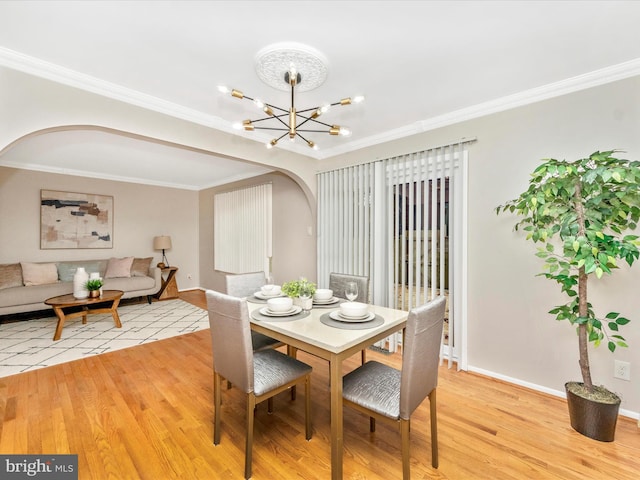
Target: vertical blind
[
  {"x": 242, "y": 227},
  {"x": 345, "y": 220},
  {"x": 401, "y": 221}
]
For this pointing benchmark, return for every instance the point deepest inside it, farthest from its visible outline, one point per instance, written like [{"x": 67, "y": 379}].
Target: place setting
[
  {"x": 266, "y": 292},
  {"x": 352, "y": 315},
  {"x": 279, "y": 309},
  {"x": 323, "y": 298}
]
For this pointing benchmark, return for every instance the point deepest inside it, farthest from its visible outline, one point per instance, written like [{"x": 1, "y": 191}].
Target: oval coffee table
[{"x": 61, "y": 302}]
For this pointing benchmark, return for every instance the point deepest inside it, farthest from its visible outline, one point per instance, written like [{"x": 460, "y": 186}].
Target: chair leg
[
  {"x": 372, "y": 424},
  {"x": 217, "y": 403},
  {"x": 406, "y": 454},
  {"x": 248, "y": 450},
  {"x": 292, "y": 352},
  {"x": 434, "y": 429},
  {"x": 270, "y": 405},
  {"x": 363, "y": 353},
  {"x": 307, "y": 407}
]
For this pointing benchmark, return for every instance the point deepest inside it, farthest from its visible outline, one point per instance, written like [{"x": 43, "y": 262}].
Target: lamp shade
[{"x": 162, "y": 242}]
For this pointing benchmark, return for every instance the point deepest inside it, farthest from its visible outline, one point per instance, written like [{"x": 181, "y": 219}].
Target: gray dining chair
[
  {"x": 384, "y": 392},
  {"x": 244, "y": 285},
  {"x": 260, "y": 375},
  {"x": 338, "y": 282}
]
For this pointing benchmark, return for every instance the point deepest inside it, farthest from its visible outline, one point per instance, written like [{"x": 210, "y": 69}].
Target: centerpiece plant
[
  {"x": 579, "y": 212},
  {"x": 299, "y": 288}
]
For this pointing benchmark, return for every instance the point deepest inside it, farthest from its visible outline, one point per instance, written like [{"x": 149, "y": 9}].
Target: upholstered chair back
[
  {"x": 338, "y": 282},
  {"x": 244, "y": 284},
  {"x": 423, "y": 336},
  {"x": 231, "y": 339}
]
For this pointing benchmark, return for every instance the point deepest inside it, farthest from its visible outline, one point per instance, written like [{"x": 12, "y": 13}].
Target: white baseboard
[{"x": 540, "y": 388}]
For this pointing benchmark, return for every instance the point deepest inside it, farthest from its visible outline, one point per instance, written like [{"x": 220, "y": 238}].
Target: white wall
[
  {"x": 294, "y": 250},
  {"x": 140, "y": 213},
  {"x": 510, "y": 333}
]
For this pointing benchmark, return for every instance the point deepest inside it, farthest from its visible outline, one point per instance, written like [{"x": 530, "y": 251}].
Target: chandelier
[{"x": 291, "y": 121}]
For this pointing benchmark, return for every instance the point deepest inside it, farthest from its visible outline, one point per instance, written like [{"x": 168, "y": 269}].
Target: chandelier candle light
[{"x": 292, "y": 120}]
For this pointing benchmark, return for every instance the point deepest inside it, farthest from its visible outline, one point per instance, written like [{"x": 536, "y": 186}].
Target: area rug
[{"x": 28, "y": 344}]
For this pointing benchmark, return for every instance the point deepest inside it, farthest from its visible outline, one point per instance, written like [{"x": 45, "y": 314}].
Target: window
[
  {"x": 242, "y": 230},
  {"x": 402, "y": 222}
]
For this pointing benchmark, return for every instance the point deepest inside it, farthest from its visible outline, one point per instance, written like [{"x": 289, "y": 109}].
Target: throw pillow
[
  {"x": 10, "y": 275},
  {"x": 39, "y": 273},
  {"x": 119, "y": 267},
  {"x": 66, "y": 271},
  {"x": 140, "y": 267}
]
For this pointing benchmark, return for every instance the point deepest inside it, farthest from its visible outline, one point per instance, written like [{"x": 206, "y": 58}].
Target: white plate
[
  {"x": 353, "y": 317},
  {"x": 336, "y": 315},
  {"x": 331, "y": 301},
  {"x": 262, "y": 296},
  {"x": 268, "y": 313}
]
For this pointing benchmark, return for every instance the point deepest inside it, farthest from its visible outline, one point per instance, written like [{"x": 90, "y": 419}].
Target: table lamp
[{"x": 163, "y": 242}]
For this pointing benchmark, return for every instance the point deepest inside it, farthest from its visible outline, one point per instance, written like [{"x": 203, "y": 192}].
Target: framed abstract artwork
[{"x": 75, "y": 220}]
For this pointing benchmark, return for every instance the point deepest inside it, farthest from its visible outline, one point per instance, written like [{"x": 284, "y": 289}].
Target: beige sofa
[{"x": 22, "y": 290}]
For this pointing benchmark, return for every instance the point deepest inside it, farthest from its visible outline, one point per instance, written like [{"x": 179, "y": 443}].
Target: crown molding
[
  {"x": 527, "y": 97},
  {"x": 121, "y": 178},
  {"x": 72, "y": 78},
  {"x": 101, "y": 176},
  {"x": 56, "y": 73}
]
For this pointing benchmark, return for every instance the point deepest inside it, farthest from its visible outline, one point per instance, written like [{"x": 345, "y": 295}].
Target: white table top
[{"x": 312, "y": 331}]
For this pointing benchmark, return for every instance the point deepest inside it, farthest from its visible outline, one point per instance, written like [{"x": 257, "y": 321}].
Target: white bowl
[
  {"x": 270, "y": 289},
  {"x": 354, "y": 309},
  {"x": 280, "y": 304},
  {"x": 323, "y": 294}
]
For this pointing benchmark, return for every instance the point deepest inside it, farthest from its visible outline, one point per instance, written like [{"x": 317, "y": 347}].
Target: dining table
[{"x": 315, "y": 332}]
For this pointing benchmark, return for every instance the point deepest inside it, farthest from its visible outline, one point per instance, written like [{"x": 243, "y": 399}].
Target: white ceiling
[{"x": 420, "y": 64}]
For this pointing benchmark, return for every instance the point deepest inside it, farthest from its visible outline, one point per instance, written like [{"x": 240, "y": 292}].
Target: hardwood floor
[{"x": 146, "y": 413}]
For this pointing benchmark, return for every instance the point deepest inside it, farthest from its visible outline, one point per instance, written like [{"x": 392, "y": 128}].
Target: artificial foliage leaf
[{"x": 586, "y": 207}]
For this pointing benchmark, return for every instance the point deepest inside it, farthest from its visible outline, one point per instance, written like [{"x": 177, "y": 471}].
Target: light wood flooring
[{"x": 146, "y": 413}]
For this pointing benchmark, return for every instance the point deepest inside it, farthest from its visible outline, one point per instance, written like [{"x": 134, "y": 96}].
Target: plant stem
[
  {"x": 582, "y": 331},
  {"x": 583, "y": 307}
]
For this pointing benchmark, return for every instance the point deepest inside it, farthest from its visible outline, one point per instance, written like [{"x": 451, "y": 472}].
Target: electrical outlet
[
  {"x": 189, "y": 276},
  {"x": 622, "y": 370}
]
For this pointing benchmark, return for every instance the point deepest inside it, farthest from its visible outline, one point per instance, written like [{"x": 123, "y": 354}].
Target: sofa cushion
[
  {"x": 140, "y": 267},
  {"x": 131, "y": 284},
  {"x": 66, "y": 270},
  {"x": 10, "y": 275},
  {"x": 39, "y": 273},
  {"x": 119, "y": 267},
  {"x": 34, "y": 295}
]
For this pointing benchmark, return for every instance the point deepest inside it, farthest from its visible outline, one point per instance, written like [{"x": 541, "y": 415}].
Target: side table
[{"x": 169, "y": 288}]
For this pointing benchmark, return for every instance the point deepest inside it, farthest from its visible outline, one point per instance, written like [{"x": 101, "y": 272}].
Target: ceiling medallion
[
  {"x": 274, "y": 61},
  {"x": 291, "y": 66}
]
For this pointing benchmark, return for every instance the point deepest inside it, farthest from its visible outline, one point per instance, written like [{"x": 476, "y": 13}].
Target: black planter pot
[{"x": 593, "y": 419}]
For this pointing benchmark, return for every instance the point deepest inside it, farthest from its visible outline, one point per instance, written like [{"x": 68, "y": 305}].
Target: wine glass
[
  {"x": 305, "y": 296},
  {"x": 268, "y": 287},
  {"x": 351, "y": 291}
]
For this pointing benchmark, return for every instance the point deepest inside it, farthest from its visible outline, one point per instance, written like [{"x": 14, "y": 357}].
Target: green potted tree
[{"x": 580, "y": 211}]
